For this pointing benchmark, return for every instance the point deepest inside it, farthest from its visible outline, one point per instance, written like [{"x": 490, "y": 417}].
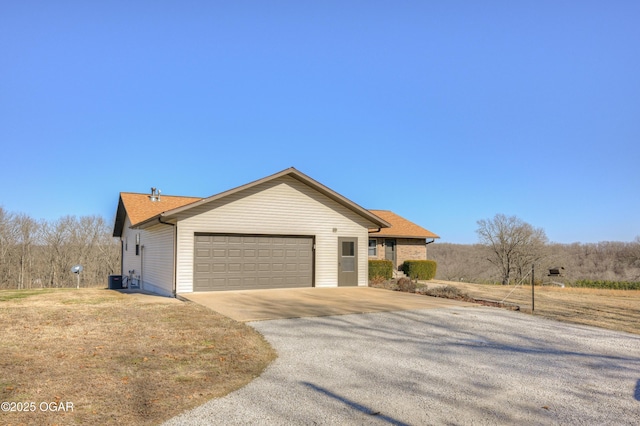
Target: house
[
  {"x": 285, "y": 230},
  {"x": 403, "y": 240}
]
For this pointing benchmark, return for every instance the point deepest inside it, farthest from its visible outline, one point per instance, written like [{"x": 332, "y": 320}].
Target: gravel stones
[{"x": 472, "y": 365}]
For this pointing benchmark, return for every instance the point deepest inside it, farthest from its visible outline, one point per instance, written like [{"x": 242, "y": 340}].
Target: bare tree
[
  {"x": 633, "y": 258},
  {"x": 8, "y": 236},
  {"x": 56, "y": 237},
  {"x": 92, "y": 246},
  {"x": 512, "y": 244},
  {"x": 608, "y": 260},
  {"x": 41, "y": 254},
  {"x": 462, "y": 262},
  {"x": 27, "y": 232}
]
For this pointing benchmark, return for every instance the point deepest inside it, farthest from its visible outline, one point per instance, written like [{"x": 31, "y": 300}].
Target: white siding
[
  {"x": 284, "y": 206},
  {"x": 130, "y": 262},
  {"x": 154, "y": 265}
]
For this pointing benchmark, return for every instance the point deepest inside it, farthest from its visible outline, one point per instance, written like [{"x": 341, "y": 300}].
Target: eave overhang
[{"x": 171, "y": 215}]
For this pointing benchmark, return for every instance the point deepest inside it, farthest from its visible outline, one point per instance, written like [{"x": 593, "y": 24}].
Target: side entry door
[
  {"x": 347, "y": 261},
  {"x": 390, "y": 251}
]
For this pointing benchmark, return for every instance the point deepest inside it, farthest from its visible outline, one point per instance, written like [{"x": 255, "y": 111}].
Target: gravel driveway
[{"x": 474, "y": 365}]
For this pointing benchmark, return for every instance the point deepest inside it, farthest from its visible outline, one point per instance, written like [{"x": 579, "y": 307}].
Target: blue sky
[{"x": 444, "y": 112}]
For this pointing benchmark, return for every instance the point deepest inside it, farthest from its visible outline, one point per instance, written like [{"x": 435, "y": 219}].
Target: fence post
[{"x": 533, "y": 300}]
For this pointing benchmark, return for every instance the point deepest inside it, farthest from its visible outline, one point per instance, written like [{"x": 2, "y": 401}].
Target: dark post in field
[{"x": 533, "y": 301}]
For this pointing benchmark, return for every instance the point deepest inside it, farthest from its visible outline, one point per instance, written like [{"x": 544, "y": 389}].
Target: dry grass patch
[
  {"x": 120, "y": 359},
  {"x": 610, "y": 309}
]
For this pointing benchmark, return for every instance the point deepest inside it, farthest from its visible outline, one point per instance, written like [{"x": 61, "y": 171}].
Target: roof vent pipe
[{"x": 155, "y": 194}]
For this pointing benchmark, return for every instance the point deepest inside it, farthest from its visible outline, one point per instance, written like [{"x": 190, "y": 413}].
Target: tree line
[
  {"x": 508, "y": 246},
  {"x": 40, "y": 254}
]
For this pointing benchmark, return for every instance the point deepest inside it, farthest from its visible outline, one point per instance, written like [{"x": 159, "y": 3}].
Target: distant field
[{"x": 611, "y": 309}]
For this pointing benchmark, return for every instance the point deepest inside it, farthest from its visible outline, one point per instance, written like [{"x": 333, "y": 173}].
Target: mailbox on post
[{"x": 556, "y": 271}]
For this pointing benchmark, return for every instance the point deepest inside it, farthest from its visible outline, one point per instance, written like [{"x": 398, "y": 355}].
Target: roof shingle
[
  {"x": 139, "y": 207},
  {"x": 400, "y": 227}
]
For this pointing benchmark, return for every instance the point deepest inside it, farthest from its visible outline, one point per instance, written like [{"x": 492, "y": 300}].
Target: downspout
[
  {"x": 175, "y": 251},
  {"x": 433, "y": 240},
  {"x": 141, "y": 267},
  {"x": 122, "y": 256}
]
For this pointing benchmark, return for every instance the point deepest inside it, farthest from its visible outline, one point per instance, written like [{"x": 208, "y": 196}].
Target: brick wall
[
  {"x": 410, "y": 249},
  {"x": 406, "y": 249}
]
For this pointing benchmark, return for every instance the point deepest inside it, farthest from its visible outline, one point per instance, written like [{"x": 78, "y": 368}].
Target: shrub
[
  {"x": 380, "y": 268},
  {"x": 377, "y": 281},
  {"x": 383, "y": 284},
  {"x": 611, "y": 285},
  {"x": 449, "y": 292},
  {"x": 419, "y": 269},
  {"x": 406, "y": 285}
]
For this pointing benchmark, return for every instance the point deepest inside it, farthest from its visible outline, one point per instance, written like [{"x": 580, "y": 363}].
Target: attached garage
[
  {"x": 282, "y": 231},
  {"x": 248, "y": 262}
]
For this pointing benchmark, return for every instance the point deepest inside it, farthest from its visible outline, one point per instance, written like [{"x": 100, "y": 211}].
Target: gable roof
[
  {"x": 400, "y": 227},
  {"x": 139, "y": 207},
  {"x": 142, "y": 211}
]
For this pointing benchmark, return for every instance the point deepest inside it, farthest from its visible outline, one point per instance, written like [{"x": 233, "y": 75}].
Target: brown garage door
[{"x": 243, "y": 262}]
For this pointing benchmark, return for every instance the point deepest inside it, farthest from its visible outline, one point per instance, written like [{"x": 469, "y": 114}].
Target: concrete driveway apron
[{"x": 259, "y": 305}]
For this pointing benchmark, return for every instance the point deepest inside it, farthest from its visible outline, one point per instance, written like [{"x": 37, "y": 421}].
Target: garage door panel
[
  {"x": 201, "y": 283},
  {"x": 203, "y": 268},
  {"x": 203, "y": 252},
  {"x": 234, "y": 262},
  {"x": 234, "y": 281}
]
